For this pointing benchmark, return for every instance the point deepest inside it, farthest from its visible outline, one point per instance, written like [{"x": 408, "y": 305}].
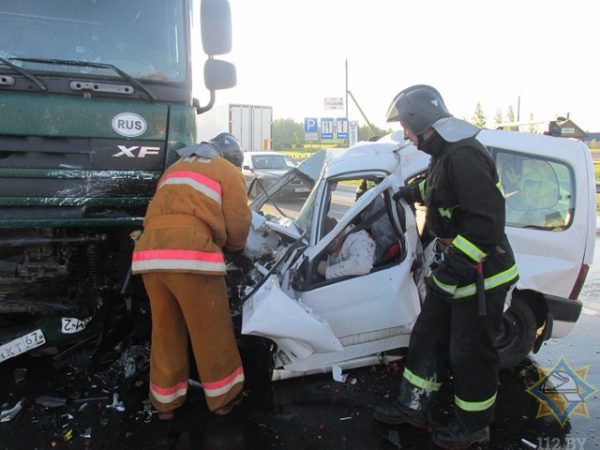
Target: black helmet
[
  {"x": 230, "y": 148},
  {"x": 418, "y": 108}
]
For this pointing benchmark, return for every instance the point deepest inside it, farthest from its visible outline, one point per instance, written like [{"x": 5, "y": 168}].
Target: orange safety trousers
[{"x": 184, "y": 303}]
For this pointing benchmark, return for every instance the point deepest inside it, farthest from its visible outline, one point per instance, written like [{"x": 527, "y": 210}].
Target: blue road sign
[
  {"x": 342, "y": 128},
  {"x": 311, "y": 125},
  {"x": 326, "y": 129}
]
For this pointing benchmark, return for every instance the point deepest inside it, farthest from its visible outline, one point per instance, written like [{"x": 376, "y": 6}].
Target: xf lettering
[{"x": 142, "y": 152}]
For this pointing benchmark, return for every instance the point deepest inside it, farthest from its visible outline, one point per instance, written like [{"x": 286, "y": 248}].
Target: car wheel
[{"x": 516, "y": 336}]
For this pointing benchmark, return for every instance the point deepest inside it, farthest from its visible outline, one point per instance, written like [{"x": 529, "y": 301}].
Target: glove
[
  {"x": 405, "y": 192},
  {"x": 455, "y": 270}
]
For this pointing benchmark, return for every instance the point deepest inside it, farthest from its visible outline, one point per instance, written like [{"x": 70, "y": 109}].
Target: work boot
[
  {"x": 411, "y": 406},
  {"x": 455, "y": 436}
]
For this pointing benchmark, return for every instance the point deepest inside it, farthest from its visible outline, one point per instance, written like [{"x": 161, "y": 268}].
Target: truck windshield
[{"x": 144, "y": 38}]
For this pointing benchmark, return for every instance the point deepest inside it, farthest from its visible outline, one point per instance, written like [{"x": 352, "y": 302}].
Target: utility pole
[
  {"x": 347, "y": 142},
  {"x": 355, "y": 102}
]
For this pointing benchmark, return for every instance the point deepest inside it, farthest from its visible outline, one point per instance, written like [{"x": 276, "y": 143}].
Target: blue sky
[{"x": 290, "y": 54}]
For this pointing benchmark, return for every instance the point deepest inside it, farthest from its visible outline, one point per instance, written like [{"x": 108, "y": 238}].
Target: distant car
[{"x": 263, "y": 169}]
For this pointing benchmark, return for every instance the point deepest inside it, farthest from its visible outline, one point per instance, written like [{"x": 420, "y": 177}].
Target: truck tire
[{"x": 516, "y": 336}]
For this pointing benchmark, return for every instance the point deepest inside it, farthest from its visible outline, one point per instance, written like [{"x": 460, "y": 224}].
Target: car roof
[{"x": 264, "y": 153}]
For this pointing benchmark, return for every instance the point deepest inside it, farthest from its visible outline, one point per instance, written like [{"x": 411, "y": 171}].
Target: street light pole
[{"x": 347, "y": 118}]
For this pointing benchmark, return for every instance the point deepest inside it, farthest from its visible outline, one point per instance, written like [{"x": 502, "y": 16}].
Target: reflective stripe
[
  {"x": 201, "y": 183},
  {"x": 447, "y": 212},
  {"x": 167, "y": 395},
  {"x": 475, "y": 406},
  {"x": 419, "y": 382},
  {"x": 449, "y": 288},
  {"x": 489, "y": 283},
  {"x": 177, "y": 259},
  {"x": 422, "y": 186},
  {"x": 468, "y": 248},
  {"x": 216, "y": 388}
]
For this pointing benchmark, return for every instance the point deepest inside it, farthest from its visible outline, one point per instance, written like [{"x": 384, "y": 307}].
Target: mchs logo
[{"x": 129, "y": 124}]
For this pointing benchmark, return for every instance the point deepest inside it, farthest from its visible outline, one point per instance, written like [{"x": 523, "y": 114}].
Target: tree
[
  {"x": 510, "y": 115},
  {"x": 532, "y": 128},
  {"x": 286, "y": 134},
  {"x": 365, "y": 133},
  {"x": 479, "y": 118},
  {"x": 498, "y": 118}
]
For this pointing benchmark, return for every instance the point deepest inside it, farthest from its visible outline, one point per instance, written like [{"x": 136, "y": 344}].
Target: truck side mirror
[
  {"x": 219, "y": 74},
  {"x": 216, "y": 27}
]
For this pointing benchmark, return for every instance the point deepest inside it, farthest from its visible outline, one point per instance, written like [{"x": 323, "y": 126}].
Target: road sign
[
  {"x": 341, "y": 126},
  {"x": 311, "y": 125},
  {"x": 311, "y": 129},
  {"x": 326, "y": 129},
  {"x": 333, "y": 103},
  {"x": 353, "y": 133}
]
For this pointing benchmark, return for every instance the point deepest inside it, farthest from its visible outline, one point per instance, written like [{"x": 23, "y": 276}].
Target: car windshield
[
  {"x": 145, "y": 38},
  {"x": 273, "y": 162}
]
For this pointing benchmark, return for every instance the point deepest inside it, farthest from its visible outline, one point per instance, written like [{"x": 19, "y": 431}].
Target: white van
[{"x": 319, "y": 325}]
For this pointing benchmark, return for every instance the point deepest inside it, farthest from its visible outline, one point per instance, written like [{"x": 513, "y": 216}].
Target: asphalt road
[{"x": 307, "y": 413}]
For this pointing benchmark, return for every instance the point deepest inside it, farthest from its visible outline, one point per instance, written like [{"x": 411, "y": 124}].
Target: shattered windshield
[{"x": 145, "y": 38}]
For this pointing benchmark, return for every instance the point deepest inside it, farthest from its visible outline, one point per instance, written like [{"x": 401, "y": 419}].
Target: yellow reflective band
[
  {"x": 468, "y": 248},
  {"x": 475, "y": 406},
  {"x": 422, "y": 186},
  {"x": 447, "y": 212},
  {"x": 419, "y": 382},
  {"x": 500, "y": 187},
  {"x": 489, "y": 283},
  {"x": 449, "y": 288}
]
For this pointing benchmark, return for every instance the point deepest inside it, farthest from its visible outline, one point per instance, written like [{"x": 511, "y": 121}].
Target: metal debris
[
  {"x": 50, "y": 401},
  {"x": 19, "y": 374},
  {"x": 90, "y": 399},
  {"x": 87, "y": 434},
  {"x": 116, "y": 404},
  {"x": 10, "y": 414},
  {"x": 528, "y": 443}
]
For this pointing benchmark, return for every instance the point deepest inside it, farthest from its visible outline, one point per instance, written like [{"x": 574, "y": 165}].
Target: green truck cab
[{"x": 95, "y": 97}]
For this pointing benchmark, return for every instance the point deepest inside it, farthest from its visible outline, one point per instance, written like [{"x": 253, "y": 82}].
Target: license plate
[
  {"x": 22, "y": 345},
  {"x": 302, "y": 189}
]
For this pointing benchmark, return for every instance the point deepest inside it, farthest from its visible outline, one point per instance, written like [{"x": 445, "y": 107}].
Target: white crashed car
[{"x": 322, "y": 325}]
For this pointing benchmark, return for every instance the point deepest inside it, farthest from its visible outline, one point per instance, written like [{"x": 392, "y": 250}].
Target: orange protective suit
[{"x": 200, "y": 207}]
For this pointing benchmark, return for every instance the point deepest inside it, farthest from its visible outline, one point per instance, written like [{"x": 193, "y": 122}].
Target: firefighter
[
  {"x": 466, "y": 287},
  {"x": 200, "y": 209}
]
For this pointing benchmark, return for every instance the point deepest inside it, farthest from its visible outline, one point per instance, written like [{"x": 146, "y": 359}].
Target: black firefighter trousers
[{"x": 450, "y": 334}]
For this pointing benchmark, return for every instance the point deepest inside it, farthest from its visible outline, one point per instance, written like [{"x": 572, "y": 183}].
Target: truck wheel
[{"x": 517, "y": 333}]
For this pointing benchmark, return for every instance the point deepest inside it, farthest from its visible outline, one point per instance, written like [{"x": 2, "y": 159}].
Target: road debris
[
  {"x": 19, "y": 374},
  {"x": 50, "y": 401},
  {"x": 528, "y": 443},
  {"x": 336, "y": 371},
  {"x": 116, "y": 404},
  {"x": 12, "y": 413}
]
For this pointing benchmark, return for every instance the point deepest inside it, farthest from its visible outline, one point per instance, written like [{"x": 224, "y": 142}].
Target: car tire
[{"x": 517, "y": 333}]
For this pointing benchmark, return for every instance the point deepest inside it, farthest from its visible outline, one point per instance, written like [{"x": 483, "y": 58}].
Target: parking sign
[
  {"x": 311, "y": 125},
  {"x": 311, "y": 129},
  {"x": 326, "y": 129},
  {"x": 341, "y": 126}
]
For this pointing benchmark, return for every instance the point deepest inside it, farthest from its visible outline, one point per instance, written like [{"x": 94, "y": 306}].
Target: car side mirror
[
  {"x": 219, "y": 74},
  {"x": 247, "y": 168},
  {"x": 216, "y": 27}
]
